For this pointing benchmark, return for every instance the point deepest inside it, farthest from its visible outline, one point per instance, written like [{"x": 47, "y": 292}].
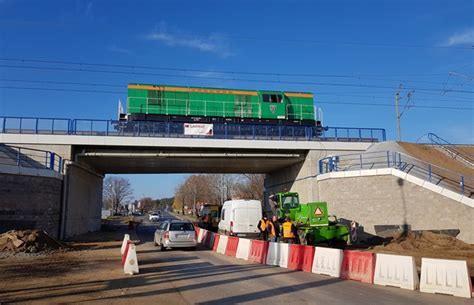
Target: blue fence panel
[
  {"x": 30, "y": 158},
  {"x": 175, "y": 129}
]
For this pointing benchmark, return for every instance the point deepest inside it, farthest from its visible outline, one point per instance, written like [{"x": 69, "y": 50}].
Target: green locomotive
[{"x": 217, "y": 105}]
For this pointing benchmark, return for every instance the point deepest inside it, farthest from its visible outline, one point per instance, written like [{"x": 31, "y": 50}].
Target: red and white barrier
[
  {"x": 200, "y": 235},
  {"x": 445, "y": 276},
  {"x": 258, "y": 251},
  {"x": 126, "y": 238},
  {"x": 131, "y": 260},
  {"x": 308, "y": 257},
  {"x": 438, "y": 276},
  {"x": 284, "y": 252},
  {"x": 232, "y": 244},
  {"x": 396, "y": 270},
  {"x": 327, "y": 261},
  {"x": 295, "y": 260},
  {"x": 125, "y": 253},
  {"x": 358, "y": 266},
  {"x": 273, "y": 254},
  {"x": 215, "y": 241},
  {"x": 243, "y": 249}
]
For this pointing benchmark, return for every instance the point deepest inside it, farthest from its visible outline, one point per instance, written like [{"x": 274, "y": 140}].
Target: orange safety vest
[
  {"x": 272, "y": 228},
  {"x": 263, "y": 224},
  {"x": 287, "y": 232}
]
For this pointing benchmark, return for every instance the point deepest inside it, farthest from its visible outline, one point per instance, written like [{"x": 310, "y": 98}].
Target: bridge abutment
[{"x": 82, "y": 201}]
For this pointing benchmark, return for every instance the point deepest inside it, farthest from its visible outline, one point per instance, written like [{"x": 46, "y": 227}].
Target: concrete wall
[
  {"x": 389, "y": 200},
  {"x": 28, "y": 202},
  {"x": 300, "y": 177},
  {"x": 84, "y": 201}
]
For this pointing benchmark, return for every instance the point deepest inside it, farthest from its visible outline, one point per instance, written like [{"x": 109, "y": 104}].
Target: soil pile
[
  {"x": 427, "y": 241},
  {"x": 27, "y": 241}
]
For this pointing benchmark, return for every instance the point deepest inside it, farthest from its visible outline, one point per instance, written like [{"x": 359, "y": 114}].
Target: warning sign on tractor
[{"x": 318, "y": 212}]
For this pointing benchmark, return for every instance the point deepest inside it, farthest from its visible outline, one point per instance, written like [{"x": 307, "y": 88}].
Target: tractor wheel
[
  {"x": 338, "y": 244},
  {"x": 309, "y": 240}
]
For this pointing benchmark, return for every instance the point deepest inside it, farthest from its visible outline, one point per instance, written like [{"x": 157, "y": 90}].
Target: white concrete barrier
[
  {"x": 131, "y": 261},
  {"x": 284, "y": 251},
  {"x": 126, "y": 238},
  {"x": 243, "y": 249},
  {"x": 396, "y": 270},
  {"x": 201, "y": 235},
  {"x": 273, "y": 254},
  {"x": 327, "y": 261},
  {"x": 445, "y": 276},
  {"x": 222, "y": 245}
]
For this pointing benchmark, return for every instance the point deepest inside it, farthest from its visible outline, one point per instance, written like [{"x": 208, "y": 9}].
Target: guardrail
[
  {"x": 61, "y": 126},
  {"x": 454, "y": 151},
  {"x": 387, "y": 159},
  {"x": 31, "y": 158}
]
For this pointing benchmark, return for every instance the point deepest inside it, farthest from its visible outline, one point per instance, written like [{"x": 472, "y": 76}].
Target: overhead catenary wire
[
  {"x": 123, "y": 85},
  {"x": 319, "y": 102},
  {"x": 231, "y": 79},
  {"x": 231, "y": 73}
]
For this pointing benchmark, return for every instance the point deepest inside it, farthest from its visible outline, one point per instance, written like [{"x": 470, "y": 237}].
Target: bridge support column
[{"x": 82, "y": 201}]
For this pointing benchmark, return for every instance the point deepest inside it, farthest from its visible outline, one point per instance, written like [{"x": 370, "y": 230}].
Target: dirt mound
[
  {"x": 28, "y": 241},
  {"x": 425, "y": 240}
]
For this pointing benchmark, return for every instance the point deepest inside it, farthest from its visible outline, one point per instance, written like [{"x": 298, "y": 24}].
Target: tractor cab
[
  {"x": 288, "y": 204},
  {"x": 314, "y": 213}
]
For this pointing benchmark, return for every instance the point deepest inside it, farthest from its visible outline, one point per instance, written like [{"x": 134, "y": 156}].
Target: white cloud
[
  {"x": 461, "y": 38},
  {"x": 212, "y": 44}
]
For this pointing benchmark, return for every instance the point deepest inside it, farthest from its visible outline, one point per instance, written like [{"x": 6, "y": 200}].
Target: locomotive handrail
[
  {"x": 224, "y": 112},
  {"x": 101, "y": 127}
]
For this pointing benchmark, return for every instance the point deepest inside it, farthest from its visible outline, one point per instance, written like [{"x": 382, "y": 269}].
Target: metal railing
[
  {"x": 454, "y": 151},
  {"x": 455, "y": 181},
  {"x": 30, "y": 158},
  {"x": 60, "y": 126}
]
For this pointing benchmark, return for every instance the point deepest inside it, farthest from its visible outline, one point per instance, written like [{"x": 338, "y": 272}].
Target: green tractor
[{"x": 314, "y": 224}]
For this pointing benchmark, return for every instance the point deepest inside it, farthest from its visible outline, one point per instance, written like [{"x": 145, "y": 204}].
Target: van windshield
[{"x": 290, "y": 202}]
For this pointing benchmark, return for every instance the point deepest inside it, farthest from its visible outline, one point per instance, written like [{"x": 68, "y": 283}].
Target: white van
[{"x": 240, "y": 218}]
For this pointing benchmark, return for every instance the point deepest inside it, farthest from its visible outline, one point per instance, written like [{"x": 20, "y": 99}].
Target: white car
[
  {"x": 154, "y": 217},
  {"x": 175, "y": 234}
]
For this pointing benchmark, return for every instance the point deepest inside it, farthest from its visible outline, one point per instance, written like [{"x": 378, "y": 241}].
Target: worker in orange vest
[
  {"x": 273, "y": 229},
  {"x": 289, "y": 231},
  {"x": 262, "y": 226}
]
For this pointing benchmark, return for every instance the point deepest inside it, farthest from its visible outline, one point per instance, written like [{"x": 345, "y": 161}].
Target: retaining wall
[{"x": 28, "y": 202}]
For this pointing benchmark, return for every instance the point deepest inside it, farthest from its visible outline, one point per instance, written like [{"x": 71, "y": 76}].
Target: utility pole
[{"x": 397, "y": 111}]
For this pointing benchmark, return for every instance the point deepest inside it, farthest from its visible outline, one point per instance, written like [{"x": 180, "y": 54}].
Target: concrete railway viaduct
[{"x": 68, "y": 202}]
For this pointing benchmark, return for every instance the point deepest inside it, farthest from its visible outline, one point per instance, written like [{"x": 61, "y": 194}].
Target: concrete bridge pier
[{"x": 81, "y": 201}]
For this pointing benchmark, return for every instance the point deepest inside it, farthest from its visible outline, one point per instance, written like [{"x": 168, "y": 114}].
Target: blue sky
[{"x": 356, "y": 52}]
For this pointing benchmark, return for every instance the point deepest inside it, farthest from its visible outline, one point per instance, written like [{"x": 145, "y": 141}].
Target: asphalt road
[{"x": 205, "y": 277}]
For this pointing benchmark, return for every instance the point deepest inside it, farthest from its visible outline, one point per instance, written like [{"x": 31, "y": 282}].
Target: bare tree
[
  {"x": 251, "y": 186},
  {"x": 217, "y": 188},
  {"x": 116, "y": 191}
]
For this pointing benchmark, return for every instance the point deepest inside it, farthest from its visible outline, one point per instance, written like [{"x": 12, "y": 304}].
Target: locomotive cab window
[{"x": 272, "y": 98}]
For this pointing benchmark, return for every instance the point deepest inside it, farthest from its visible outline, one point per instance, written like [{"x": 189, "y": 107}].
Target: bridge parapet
[{"x": 92, "y": 127}]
